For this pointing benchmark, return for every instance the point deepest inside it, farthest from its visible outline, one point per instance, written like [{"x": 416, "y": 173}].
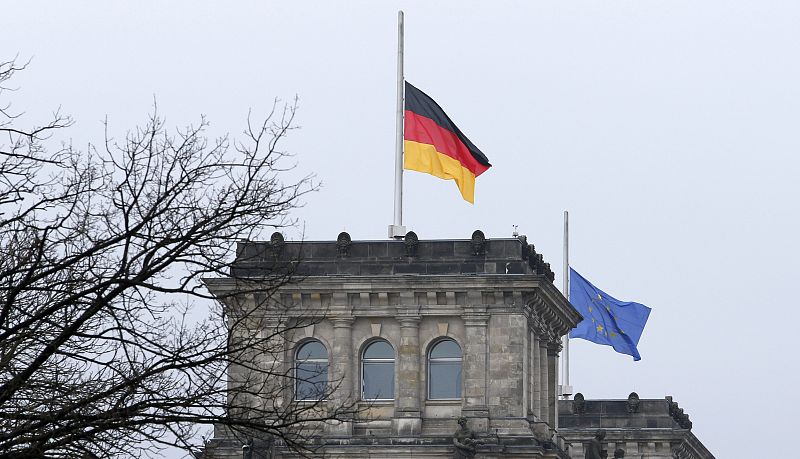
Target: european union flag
[{"x": 606, "y": 320}]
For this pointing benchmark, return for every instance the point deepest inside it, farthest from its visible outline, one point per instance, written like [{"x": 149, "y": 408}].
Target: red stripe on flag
[{"x": 422, "y": 129}]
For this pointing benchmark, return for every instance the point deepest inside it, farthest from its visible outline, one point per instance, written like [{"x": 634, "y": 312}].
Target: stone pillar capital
[
  {"x": 409, "y": 321},
  {"x": 554, "y": 348},
  {"x": 342, "y": 322}
]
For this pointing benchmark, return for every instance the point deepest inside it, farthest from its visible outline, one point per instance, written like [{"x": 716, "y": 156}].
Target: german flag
[{"x": 434, "y": 145}]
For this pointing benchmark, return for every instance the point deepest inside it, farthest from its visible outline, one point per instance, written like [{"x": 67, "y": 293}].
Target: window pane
[
  {"x": 445, "y": 380},
  {"x": 312, "y": 379},
  {"x": 446, "y": 349},
  {"x": 312, "y": 350},
  {"x": 379, "y": 350},
  {"x": 378, "y": 380}
]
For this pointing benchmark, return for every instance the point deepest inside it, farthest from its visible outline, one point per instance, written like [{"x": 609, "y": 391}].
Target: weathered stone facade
[
  {"x": 647, "y": 429},
  {"x": 494, "y": 298}
]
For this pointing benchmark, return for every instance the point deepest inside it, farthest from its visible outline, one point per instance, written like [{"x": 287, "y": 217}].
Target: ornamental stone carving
[
  {"x": 555, "y": 344},
  {"x": 478, "y": 243},
  {"x": 464, "y": 441},
  {"x": 682, "y": 451},
  {"x": 594, "y": 450},
  {"x": 343, "y": 243},
  {"x": 579, "y": 404},
  {"x": 276, "y": 243},
  {"x": 526, "y": 248},
  {"x": 537, "y": 263},
  {"x": 411, "y": 243},
  {"x": 633, "y": 403},
  {"x": 678, "y": 415}
]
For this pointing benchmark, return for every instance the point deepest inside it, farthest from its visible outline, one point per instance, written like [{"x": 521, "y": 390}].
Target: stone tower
[
  {"x": 416, "y": 334},
  {"x": 467, "y": 327}
]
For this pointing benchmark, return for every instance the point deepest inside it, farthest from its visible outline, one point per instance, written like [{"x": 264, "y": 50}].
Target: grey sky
[{"x": 668, "y": 129}]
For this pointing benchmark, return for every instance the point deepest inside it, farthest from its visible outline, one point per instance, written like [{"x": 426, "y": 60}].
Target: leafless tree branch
[{"x": 101, "y": 257}]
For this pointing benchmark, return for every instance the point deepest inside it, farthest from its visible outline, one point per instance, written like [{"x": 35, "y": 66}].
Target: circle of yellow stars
[{"x": 601, "y": 329}]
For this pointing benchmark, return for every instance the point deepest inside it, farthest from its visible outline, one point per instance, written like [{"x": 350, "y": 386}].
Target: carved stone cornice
[
  {"x": 687, "y": 449},
  {"x": 544, "y": 320},
  {"x": 554, "y": 346},
  {"x": 540, "y": 327},
  {"x": 678, "y": 415},
  {"x": 551, "y": 316},
  {"x": 681, "y": 451}
]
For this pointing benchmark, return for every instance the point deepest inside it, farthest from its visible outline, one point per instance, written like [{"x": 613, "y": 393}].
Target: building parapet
[
  {"x": 344, "y": 256},
  {"x": 642, "y": 427}
]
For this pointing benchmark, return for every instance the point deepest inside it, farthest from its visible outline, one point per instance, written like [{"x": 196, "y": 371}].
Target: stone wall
[
  {"x": 644, "y": 429},
  {"x": 495, "y": 298}
]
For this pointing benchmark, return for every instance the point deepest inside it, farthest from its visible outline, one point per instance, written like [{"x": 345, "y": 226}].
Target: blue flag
[{"x": 606, "y": 320}]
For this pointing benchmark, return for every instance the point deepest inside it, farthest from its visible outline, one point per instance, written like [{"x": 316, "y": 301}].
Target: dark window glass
[
  {"x": 312, "y": 350},
  {"x": 444, "y": 371},
  {"x": 379, "y": 350},
  {"x": 311, "y": 371},
  {"x": 446, "y": 349},
  {"x": 377, "y": 372},
  {"x": 378, "y": 381}
]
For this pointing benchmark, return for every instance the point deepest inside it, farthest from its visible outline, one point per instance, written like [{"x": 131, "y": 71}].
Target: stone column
[
  {"x": 553, "y": 348},
  {"x": 341, "y": 372},
  {"x": 541, "y": 428},
  {"x": 544, "y": 382},
  {"x": 576, "y": 450},
  {"x": 272, "y": 361},
  {"x": 631, "y": 449},
  {"x": 535, "y": 375},
  {"x": 408, "y": 418},
  {"x": 474, "y": 368}
]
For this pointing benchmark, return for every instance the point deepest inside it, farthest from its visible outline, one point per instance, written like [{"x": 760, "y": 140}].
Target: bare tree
[{"x": 101, "y": 255}]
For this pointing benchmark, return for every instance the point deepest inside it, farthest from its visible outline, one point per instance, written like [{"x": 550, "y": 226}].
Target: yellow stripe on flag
[{"x": 422, "y": 157}]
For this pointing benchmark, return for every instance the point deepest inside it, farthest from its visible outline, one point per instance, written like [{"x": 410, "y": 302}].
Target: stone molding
[
  {"x": 678, "y": 415},
  {"x": 551, "y": 315},
  {"x": 646, "y": 443}
]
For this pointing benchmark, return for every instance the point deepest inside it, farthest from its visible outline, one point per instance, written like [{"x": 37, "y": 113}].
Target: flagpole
[
  {"x": 566, "y": 389},
  {"x": 396, "y": 229}
]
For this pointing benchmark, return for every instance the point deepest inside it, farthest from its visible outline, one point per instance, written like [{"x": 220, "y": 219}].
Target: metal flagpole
[
  {"x": 396, "y": 229},
  {"x": 562, "y": 381},
  {"x": 566, "y": 389}
]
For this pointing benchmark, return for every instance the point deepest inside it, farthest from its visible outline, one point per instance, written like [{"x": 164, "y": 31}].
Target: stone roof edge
[
  {"x": 567, "y": 314},
  {"x": 354, "y": 241},
  {"x": 528, "y": 281}
]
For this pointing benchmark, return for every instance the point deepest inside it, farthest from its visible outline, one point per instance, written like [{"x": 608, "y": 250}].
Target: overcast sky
[{"x": 668, "y": 129}]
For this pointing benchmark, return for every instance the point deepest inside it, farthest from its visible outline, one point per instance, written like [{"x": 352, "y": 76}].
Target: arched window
[
  {"x": 377, "y": 371},
  {"x": 444, "y": 371},
  {"x": 311, "y": 371}
]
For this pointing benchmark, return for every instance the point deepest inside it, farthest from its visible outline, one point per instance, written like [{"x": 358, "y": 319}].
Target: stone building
[
  {"x": 421, "y": 333},
  {"x": 641, "y": 428}
]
